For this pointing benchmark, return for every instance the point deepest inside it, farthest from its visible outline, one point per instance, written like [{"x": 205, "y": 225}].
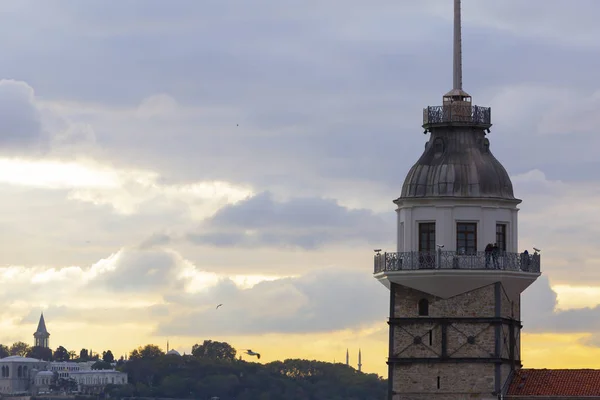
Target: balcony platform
[
  {"x": 448, "y": 273},
  {"x": 457, "y": 115}
]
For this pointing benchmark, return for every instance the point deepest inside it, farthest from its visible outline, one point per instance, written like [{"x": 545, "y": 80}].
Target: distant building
[
  {"x": 93, "y": 381},
  {"x": 18, "y": 374},
  {"x": 65, "y": 368},
  {"x": 41, "y": 337}
]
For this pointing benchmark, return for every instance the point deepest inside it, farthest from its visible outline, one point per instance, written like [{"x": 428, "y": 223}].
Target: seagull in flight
[
  {"x": 251, "y": 353},
  {"x": 218, "y": 305}
]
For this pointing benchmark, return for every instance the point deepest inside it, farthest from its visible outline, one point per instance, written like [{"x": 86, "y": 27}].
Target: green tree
[
  {"x": 72, "y": 354},
  {"x": 149, "y": 351},
  {"x": 19, "y": 349},
  {"x": 101, "y": 365},
  {"x": 4, "y": 351},
  {"x": 41, "y": 353},
  {"x": 108, "y": 356},
  {"x": 83, "y": 355},
  {"x": 214, "y": 350},
  {"x": 61, "y": 354}
]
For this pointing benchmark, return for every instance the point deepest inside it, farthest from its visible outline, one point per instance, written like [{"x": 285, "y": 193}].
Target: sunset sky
[{"x": 159, "y": 157}]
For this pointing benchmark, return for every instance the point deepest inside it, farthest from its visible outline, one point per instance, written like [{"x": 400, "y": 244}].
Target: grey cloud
[
  {"x": 320, "y": 301},
  {"x": 539, "y": 316},
  {"x": 155, "y": 240},
  {"x": 140, "y": 271},
  {"x": 96, "y": 316},
  {"x": 20, "y": 121},
  {"x": 305, "y": 222}
]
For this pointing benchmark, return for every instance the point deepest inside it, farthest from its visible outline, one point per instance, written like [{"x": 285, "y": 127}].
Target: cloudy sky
[{"x": 160, "y": 157}]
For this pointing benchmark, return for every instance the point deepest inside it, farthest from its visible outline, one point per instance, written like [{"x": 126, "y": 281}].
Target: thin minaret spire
[
  {"x": 347, "y": 357},
  {"x": 457, "y": 70},
  {"x": 359, "y": 361}
]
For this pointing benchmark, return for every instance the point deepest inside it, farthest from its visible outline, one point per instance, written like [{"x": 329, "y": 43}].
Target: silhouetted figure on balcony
[
  {"x": 488, "y": 254},
  {"x": 495, "y": 254},
  {"x": 525, "y": 261}
]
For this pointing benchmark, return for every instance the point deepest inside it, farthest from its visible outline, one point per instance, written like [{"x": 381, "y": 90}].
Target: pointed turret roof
[{"x": 42, "y": 325}]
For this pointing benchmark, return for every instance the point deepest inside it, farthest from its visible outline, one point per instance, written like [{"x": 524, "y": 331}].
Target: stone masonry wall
[
  {"x": 477, "y": 303},
  {"x": 419, "y": 381}
]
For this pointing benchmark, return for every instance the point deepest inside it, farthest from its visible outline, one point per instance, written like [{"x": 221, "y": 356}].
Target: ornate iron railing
[
  {"x": 457, "y": 113},
  {"x": 415, "y": 260}
]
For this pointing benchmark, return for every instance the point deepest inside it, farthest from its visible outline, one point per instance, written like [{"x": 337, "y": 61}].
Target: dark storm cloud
[
  {"x": 308, "y": 223},
  {"x": 321, "y": 301}
]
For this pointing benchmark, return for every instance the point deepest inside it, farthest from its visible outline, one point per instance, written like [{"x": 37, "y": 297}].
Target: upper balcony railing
[
  {"x": 457, "y": 114},
  {"x": 415, "y": 260}
]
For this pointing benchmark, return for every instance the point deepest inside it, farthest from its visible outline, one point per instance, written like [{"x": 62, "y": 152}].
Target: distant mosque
[{"x": 359, "y": 365}]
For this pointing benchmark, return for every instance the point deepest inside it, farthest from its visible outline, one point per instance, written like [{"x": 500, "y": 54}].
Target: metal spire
[{"x": 457, "y": 75}]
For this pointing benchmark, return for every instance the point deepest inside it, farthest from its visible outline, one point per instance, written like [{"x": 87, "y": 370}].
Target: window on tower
[
  {"x": 501, "y": 236},
  {"x": 427, "y": 236},
  {"x": 423, "y": 307},
  {"x": 466, "y": 237}
]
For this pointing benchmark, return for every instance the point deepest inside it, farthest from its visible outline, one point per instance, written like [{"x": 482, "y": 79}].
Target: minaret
[
  {"x": 41, "y": 336},
  {"x": 347, "y": 358},
  {"x": 454, "y": 325},
  {"x": 359, "y": 361}
]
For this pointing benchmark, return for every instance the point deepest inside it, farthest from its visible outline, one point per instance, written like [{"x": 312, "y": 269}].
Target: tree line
[
  {"x": 213, "y": 371},
  {"x": 60, "y": 354}
]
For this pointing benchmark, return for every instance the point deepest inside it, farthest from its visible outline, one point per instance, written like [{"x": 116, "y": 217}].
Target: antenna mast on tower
[{"x": 457, "y": 70}]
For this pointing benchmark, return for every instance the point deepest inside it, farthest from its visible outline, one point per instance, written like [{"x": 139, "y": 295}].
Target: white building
[
  {"x": 29, "y": 375},
  {"x": 93, "y": 381},
  {"x": 65, "y": 368},
  {"x": 17, "y": 373}
]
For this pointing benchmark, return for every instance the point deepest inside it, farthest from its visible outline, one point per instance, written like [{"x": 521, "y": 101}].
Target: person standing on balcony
[
  {"x": 495, "y": 254},
  {"x": 488, "y": 254}
]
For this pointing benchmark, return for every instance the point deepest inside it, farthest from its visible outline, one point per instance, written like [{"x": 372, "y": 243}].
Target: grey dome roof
[{"x": 457, "y": 162}]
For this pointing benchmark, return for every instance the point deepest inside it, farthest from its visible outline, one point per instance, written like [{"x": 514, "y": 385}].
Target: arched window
[
  {"x": 423, "y": 307},
  {"x": 3, "y": 371},
  {"x": 7, "y": 371},
  {"x": 19, "y": 371}
]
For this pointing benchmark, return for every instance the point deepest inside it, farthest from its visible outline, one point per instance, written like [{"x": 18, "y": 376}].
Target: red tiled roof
[{"x": 555, "y": 382}]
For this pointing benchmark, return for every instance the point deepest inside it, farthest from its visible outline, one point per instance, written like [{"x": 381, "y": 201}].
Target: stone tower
[
  {"x": 41, "y": 336},
  {"x": 454, "y": 325}
]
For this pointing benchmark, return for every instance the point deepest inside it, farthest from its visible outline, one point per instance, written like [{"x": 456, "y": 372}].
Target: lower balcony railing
[{"x": 415, "y": 260}]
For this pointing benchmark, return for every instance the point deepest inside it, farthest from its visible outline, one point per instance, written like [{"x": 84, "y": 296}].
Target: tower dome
[{"x": 457, "y": 162}]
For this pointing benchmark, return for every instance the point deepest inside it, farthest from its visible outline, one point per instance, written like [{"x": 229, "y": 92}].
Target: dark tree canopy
[
  {"x": 4, "y": 351},
  {"x": 83, "y": 355},
  {"x": 101, "y": 365},
  {"x": 41, "y": 353},
  {"x": 107, "y": 356},
  {"x": 214, "y": 350},
  {"x": 61, "y": 354},
  {"x": 19, "y": 349},
  {"x": 201, "y": 377},
  {"x": 148, "y": 351}
]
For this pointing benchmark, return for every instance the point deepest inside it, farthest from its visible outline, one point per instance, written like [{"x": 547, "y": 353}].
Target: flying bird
[
  {"x": 218, "y": 305},
  {"x": 251, "y": 353}
]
